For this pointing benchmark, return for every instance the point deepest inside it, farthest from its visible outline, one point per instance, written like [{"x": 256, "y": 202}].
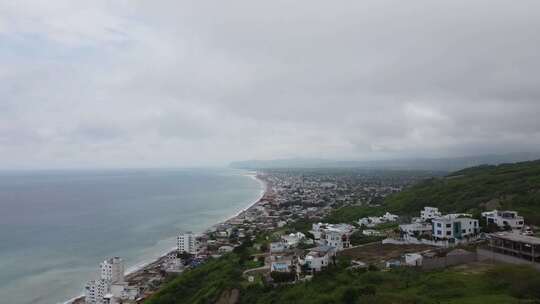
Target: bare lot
[{"x": 377, "y": 253}]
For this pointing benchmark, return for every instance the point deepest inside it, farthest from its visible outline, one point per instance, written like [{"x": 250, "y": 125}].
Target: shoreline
[{"x": 139, "y": 268}]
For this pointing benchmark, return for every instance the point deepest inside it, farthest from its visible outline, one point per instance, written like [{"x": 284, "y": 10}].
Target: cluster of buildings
[
  {"x": 110, "y": 287},
  {"x": 311, "y": 195},
  {"x": 434, "y": 228},
  {"x": 373, "y": 221},
  {"x": 328, "y": 239}
]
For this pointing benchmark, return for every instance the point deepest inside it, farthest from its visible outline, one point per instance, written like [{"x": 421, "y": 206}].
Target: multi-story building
[
  {"x": 415, "y": 230},
  {"x": 337, "y": 238},
  {"x": 187, "y": 242},
  {"x": 95, "y": 291},
  {"x": 455, "y": 227},
  {"x": 429, "y": 213},
  {"x": 318, "y": 258},
  {"x": 504, "y": 219},
  {"x": 112, "y": 270}
]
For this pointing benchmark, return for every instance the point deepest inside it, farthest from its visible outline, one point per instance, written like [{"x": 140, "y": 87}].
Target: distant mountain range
[{"x": 432, "y": 164}]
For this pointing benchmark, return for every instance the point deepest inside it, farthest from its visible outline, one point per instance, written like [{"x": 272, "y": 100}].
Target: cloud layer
[{"x": 189, "y": 83}]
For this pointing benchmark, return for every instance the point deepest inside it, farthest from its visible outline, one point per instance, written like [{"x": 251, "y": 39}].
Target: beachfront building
[
  {"x": 504, "y": 219},
  {"x": 455, "y": 228},
  {"x": 429, "y": 213},
  {"x": 112, "y": 270},
  {"x": 95, "y": 291},
  {"x": 187, "y": 242}
]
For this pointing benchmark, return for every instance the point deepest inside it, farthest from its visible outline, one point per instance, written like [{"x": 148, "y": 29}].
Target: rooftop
[{"x": 516, "y": 238}]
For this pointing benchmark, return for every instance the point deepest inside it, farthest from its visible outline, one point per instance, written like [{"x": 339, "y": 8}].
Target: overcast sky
[{"x": 106, "y": 83}]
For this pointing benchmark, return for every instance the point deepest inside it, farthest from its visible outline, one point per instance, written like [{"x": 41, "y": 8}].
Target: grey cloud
[{"x": 192, "y": 83}]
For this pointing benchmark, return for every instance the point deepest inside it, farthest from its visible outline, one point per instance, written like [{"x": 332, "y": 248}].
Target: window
[
  {"x": 439, "y": 232},
  {"x": 439, "y": 225},
  {"x": 448, "y": 232},
  {"x": 464, "y": 231}
]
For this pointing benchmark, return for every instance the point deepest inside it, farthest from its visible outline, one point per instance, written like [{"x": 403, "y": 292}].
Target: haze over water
[{"x": 55, "y": 227}]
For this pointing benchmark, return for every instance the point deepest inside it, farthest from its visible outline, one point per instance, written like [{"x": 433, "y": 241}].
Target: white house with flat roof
[
  {"x": 429, "y": 213},
  {"x": 456, "y": 228},
  {"x": 414, "y": 231},
  {"x": 293, "y": 239},
  {"x": 318, "y": 258},
  {"x": 504, "y": 219}
]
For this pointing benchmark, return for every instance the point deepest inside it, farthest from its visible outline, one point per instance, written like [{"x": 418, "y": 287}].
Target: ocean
[{"x": 57, "y": 226}]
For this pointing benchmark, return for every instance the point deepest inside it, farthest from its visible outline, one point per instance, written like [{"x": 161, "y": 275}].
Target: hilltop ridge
[{"x": 506, "y": 186}]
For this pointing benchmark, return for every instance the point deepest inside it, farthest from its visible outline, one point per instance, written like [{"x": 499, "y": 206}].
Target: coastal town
[{"x": 293, "y": 233}]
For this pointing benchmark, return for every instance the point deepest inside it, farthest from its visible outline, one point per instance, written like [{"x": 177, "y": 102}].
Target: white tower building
[
  {"x": 186, "y": 242},
  {"x": 112, "y": 270}
]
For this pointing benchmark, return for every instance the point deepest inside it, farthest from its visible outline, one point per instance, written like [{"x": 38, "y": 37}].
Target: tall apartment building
[
  {"x": 187, "y": 242},
  {"x": 112, "y": 270}
]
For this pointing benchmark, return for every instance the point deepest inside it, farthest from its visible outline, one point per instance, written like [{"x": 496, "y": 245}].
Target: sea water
[{"x": 57, "y": 226}]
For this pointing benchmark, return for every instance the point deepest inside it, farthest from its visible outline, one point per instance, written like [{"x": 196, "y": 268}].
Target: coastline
[{"x": 138, "y": 270}]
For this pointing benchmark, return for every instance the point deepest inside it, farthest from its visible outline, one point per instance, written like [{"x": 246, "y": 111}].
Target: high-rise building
[
  {"x": 112, "y": 270},
  {"x": 187, "y": 242},
  {"x": 95, "y": 291}
]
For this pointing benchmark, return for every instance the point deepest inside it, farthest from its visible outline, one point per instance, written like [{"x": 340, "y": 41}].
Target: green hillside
[{"x": 506, "y": 186}]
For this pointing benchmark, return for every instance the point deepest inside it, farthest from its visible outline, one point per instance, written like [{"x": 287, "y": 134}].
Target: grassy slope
[
  {"x": 514, "y": 186},
  {"x": 201, "y": 285},
  {"x": 406, "y": 286}
]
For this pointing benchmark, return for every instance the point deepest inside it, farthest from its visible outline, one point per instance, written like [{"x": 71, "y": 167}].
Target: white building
[
  {"x": 112, "y": 270},
  {"x": 335, "y": 235},
  {"x": 95, "y": 291},
  {"x": 373, "y": 221},
  {"x": 318, "y": 229},
  {"x": 429, "y": 213},
  {"x": 293, "y": 239},
  {"x": 415, "y": 230},
  {"x": 455, "y": 227},
  {"x": 111, "y": 287},
  {"x": 413, "y": 259},
  {"x": 504, "y": 219},
  {"x": 389, "y": 217},
  {"x": 187, "y": 242},
  {"x": 336, "y": 238},
  {"x": 319, "y": 258},
  {"x": 370, "y": 221},
  {"x": 371, "y": 232}
]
